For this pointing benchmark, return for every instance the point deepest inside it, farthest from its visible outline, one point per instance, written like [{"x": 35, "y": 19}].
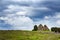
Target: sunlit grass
[{"x": 28, "y": 35}]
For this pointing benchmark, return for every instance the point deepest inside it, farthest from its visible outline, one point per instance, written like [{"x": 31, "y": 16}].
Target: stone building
[
  {"x": 42, "y": 28},
  {"x": 45, "y": 27}
]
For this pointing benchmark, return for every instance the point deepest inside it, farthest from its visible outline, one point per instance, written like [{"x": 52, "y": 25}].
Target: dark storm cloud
[
  {"x": 53, "y": 5},
  {"x": 4, "y": 25},
  {"x": 38, "y": 9}
]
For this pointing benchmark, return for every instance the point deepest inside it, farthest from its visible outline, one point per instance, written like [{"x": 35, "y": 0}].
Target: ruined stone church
[{"x": 42, "y": 28}]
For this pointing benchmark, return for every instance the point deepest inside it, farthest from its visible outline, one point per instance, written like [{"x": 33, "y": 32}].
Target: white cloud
[
  {"x": 21, "y": 13},
  {"x": 43, "y": 8},
  {"x": 15, "y": 19},
  {"x": 22, "y": 22},
  {"x": 19, "y": 23},
  {"x": 23, "y": 10},
  {"x": 58, "y": 22},
  {"x": 3, "y": 18},
  {"x": 17, "y": 16},
  {"x": 25, "y": 0},
  {"x": 12, "y": 8},
  {"x": 16, "y": 9},
  {"x": 57, "y": 15},
  {"x": 50, "y": 21},
  {"x": 46, "y": 17}
]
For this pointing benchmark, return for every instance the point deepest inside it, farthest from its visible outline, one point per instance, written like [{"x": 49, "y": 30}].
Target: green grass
[{"x": 28, "y": 35}]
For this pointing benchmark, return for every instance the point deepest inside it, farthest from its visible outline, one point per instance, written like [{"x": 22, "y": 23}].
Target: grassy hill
[{"x": 28, "y": 35}]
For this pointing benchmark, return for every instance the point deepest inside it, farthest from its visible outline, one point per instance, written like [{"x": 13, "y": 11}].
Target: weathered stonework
[{"x": 42, "y": 28}]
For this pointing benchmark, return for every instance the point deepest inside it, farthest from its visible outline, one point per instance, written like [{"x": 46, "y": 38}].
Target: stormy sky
[{"x": 24, "y": 14}]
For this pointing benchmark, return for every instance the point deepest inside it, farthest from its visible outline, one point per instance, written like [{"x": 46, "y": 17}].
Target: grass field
[{"x": 28, "y": 35}]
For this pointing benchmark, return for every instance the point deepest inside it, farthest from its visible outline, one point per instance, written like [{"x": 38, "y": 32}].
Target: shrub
[
  {"x": 35, "y": 28},
  {"x": 55, "y": 29}
]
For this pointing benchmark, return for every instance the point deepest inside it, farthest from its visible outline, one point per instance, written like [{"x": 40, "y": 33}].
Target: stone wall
[{"x": 42, "y": 28}]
